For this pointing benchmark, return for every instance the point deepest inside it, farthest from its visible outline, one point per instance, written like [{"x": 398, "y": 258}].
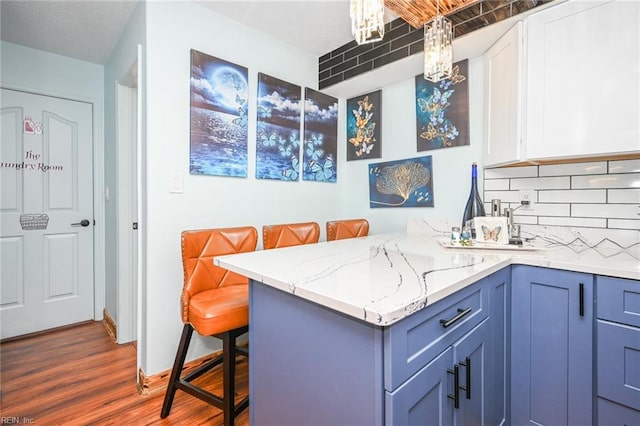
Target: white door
[{"x": 46, "y": 213}]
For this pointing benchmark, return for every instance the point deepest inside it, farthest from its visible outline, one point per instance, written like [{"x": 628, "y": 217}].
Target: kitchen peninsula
[{"x": 394, "y": 328}]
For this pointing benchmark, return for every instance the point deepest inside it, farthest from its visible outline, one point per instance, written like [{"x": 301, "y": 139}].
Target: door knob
[{"x": 83, "y": 222}]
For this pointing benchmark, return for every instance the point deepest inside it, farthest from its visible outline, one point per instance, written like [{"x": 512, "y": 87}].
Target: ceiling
[{"x": 88, "y": 30}]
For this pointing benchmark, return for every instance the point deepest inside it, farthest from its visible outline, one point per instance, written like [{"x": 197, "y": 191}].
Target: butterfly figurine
[
  {"x": 269, "y": 140},
  {"x": 491, "y": 234},
  {"x": 242, "y": 120}
]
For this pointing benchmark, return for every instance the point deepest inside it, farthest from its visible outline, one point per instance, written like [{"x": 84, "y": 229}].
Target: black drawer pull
[
  {"x": 456, "y": 386},
  {"x": 581, "y": 299},
  {"x": 461, "y": 313}
]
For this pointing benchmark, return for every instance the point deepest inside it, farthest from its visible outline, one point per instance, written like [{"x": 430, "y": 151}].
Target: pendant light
[
  {"x": 367, "y": 20},
  {"x": 438, "y": 51}
]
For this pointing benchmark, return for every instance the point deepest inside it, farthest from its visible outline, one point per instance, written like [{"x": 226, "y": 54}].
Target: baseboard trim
[
  {"x": 157, "y": 382},
  {"x": 109, "y": 325}
]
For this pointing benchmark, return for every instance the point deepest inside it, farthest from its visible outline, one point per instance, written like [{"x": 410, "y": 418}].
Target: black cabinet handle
[
  {"x": 467, "y": 365},
  {"x": 456, "y": 386},
  {"x": 461, "y": 313},
  {"x": 581, "y": 299}
]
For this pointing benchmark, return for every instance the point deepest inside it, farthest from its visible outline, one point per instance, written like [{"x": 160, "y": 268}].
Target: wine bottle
[{"x": 474, "y": 205}]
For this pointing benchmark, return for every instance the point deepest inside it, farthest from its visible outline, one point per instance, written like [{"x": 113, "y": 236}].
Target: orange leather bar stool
[
  {"x": 214, "y": 302},
  {"x": 352, "y": 228},
  {"x": 290, "y": 234}
]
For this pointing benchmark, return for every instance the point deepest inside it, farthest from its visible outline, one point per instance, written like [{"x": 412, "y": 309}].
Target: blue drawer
[
  {"x": 619, "y": 300},
  {"x": 413, "y": 342},
  {"x": 619, "y": 363}
]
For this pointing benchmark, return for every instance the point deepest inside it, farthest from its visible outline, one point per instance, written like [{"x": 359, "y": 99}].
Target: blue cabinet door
[
  {"x": 497, "y": 387},
  {"x": 471, "y": 355},
  {"x": 551, "y": 363},
  {"x": 422, "y": 400}
]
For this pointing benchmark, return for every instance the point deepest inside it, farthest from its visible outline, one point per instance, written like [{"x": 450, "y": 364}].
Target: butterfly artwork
[
  {"x": 291, "y": 173},
  {"x": 243, "y": 118},
  {"x": 442, "y": 110},
  {"x": 312, "y": 152},
  {"x": 218, "y": 144},
  {"x": 322, "y": 170},
  {"x": 491, "y": 234},
  {"x": 363, "y": 126},
  {"x": 269, "y": 140},
  {"x": 491, "y": 229}
]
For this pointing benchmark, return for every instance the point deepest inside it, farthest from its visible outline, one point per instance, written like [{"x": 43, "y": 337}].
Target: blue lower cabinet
[
  {"x": 551, "y": 363},
  {"x": 612, "y": 414},
  {"x": 450, "y": 390},
  {"x": 422, "y": 400},
  {"x": 619, "y": 363}
]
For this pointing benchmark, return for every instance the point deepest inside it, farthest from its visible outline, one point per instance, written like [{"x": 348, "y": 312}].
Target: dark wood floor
[{"x": 79, "y": 376}]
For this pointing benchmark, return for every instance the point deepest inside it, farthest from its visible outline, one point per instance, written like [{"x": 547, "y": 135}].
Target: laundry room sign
[{"x": 31, "y": 161}]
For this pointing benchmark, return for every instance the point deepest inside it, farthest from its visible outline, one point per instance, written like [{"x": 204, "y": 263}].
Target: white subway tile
[
  {"x": 573, "y": 221},
  {"x": 595, "y": 168},
  {"x": 624, "y": 224},
  {"x": 615, "y": 211},
  {"x": 624, "y": 166},
  {"x": 496, "y": 184},
  {"x": 539, "y": 209},
  {"x": 525, "y": 220},
  {"x": 573, "y": 196},
  {"x": 631, "y": 180},
  {"x": 624, "y": 196},
  {"x": 561, "y": 182},
  {"x": 504, "y": 196},
  {"x": 509, "y": 172}
]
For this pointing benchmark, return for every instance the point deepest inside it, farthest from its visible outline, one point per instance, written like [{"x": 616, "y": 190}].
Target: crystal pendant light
[
  {"x": 367, "y": 20},
  {"x": 438, "y": 52}
]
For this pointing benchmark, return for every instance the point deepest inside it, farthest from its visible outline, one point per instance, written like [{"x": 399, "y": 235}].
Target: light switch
[{"x": 176, "y": 186}]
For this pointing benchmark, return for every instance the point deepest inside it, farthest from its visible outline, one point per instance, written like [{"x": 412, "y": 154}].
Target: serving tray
[{"x": 488, "y": 246}]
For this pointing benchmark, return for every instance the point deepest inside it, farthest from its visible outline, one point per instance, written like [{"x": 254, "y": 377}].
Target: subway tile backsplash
[{"x": 602, "y": 194}]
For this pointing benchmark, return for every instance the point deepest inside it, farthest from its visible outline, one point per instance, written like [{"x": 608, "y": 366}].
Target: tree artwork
[{"x": 404, "y": 183}]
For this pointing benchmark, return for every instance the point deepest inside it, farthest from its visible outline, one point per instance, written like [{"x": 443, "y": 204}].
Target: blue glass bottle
[{"x": 474, "y": 206}]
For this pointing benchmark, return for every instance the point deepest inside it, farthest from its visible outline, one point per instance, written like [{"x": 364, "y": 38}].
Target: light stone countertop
[{"x": 383, "y": 278}]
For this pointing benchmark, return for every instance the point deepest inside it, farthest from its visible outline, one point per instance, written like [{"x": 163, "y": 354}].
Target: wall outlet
[{"x": 527, "y": 198}]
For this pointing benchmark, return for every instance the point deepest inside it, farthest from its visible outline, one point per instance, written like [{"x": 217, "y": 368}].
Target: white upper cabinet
[
  {"x": 503, "y": 99},
  {"x": 583, "y": 80},
  {"x": 580, "y": 75}
]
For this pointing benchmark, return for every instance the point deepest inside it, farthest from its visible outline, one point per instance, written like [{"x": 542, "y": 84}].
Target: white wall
[
  {"x": 48, "y": 74},
  {"x": 173, "y": 28},
  {"x": 451, "y": 166},
  {"x": 117, "y": 69}
]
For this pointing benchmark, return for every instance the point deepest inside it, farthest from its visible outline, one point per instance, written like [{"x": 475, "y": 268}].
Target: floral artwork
[
  {"x": 320, "y": 136},
  {"x": 278, "y": 129},
  {"x": 218, "y": 144},
  {"x": 363, "y": 126},
  {"x": 401, "y": 183},
  {"x": 442, "y": 110}
]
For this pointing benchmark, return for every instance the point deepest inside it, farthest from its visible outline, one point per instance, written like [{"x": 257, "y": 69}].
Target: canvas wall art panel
[
  {"x": 401, "y": 183},
  {"x": 442, "y": 110},
  {"x": 364, "y": 117},
  {"x": 320, "y": 148},
  {"x": 218, "y": 122},
  {"x": 278, "y": 129}
]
